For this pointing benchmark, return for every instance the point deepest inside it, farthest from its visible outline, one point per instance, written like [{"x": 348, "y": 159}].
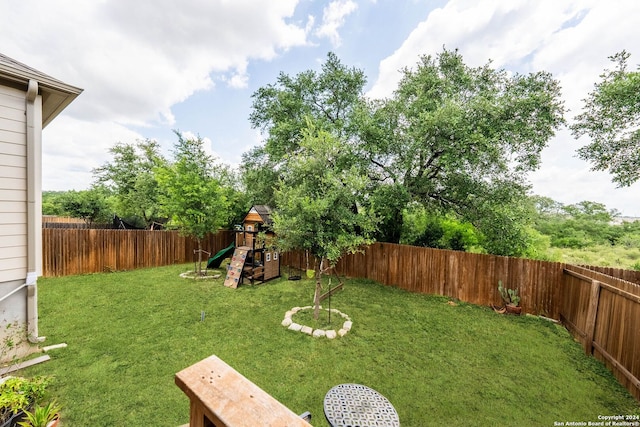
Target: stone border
[
  {"x": 191, "y": 275},
  {"x": 330, "y": 334}
]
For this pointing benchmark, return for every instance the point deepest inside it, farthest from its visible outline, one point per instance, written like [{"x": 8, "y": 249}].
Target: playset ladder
[{"x": 235, "y": 267}]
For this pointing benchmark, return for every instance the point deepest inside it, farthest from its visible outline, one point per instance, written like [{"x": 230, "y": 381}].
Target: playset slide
[{"x": 216, "y": 260}]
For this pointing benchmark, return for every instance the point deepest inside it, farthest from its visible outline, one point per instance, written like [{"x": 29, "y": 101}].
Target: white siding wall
[{"x": 13, "y": 185}]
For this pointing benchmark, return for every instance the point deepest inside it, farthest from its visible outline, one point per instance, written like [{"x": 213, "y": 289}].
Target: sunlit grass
[
  {"x": 617, "y": 256},
  {"x": 438, "y": 363}
]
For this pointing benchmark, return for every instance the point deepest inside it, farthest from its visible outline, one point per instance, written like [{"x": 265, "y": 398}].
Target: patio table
[{"x": 358, "y": 405}]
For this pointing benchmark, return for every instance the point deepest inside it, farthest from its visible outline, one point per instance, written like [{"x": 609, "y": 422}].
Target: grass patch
[
  {"x": 618, "y": 256},
  {"x": 129, "y": 333},
  {"x": 325, "y": 319}
]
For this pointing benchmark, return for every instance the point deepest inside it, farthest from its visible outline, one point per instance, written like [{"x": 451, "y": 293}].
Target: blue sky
[{"x": 148, "y": 67}]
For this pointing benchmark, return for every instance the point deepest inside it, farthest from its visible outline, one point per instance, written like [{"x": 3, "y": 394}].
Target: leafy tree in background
[
  {"x": 90, "y": 205},
  {"x": 579, "y": 225},
  {"x": 238, "y": 201},
  {"x": 52, "y": 203},
  {"x": 281, "y": 111},
  {"x": 131, "y": 175},
  {"x": 456, "y": 139},
  {"x": 460, "y": 140},
  {"x": 191, "y": 194},
  {"x": 321, "y": 206},
  {"x": 420, "y": 228},
  {"x": 611, "y": 118},
  {"x": 259, "y": 175}
]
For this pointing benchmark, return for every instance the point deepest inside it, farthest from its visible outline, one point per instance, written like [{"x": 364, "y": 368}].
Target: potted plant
[
  {"x": 18, "y": 395},
  {"x": 42, "y": 416},
  {"x": 510, "y": 298}
]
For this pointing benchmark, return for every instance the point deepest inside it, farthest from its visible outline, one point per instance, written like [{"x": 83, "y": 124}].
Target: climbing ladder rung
[{"x": 234, "y": 270}]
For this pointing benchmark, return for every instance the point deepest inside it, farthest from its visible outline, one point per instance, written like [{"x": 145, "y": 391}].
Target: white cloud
[
  {"x": 71, "y": 148},
  {"x": 333, "y": 18},
  {"x": 504, "y": 32},
  {"x": 135, "y": 61},
  {"x": 571, "y": 39}
]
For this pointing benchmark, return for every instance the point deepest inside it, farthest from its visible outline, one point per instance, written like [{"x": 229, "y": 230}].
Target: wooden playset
[{"x": 255, "y": 258}]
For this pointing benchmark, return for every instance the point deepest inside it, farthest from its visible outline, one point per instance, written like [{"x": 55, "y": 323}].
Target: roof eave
[{"x": 56, "y": 95}]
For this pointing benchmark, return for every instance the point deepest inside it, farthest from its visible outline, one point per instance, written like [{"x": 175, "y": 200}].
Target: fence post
[{"x": 592, "y": 313}]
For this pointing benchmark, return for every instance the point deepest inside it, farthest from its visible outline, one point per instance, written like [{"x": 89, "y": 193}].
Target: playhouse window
[
  {"x": 268, "y": 256},
  {"x": 275, "y": 256},
  {"x": 249, "y": 227}
]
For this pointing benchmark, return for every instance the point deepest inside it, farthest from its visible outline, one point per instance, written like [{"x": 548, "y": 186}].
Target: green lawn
[{"x": 439, "y": 364}]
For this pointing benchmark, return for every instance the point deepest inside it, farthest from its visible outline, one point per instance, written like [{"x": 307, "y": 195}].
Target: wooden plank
[
  {"x": 25, "y": 364},
  {"x": 635, "y": 381},
  {"x": 622, "y": 293},
  {"x": 331, "y": 292},
  {"x": 609, "y": 287},
  {"x": 592, "y": 312},
  {"x": 228, "y": 399}
]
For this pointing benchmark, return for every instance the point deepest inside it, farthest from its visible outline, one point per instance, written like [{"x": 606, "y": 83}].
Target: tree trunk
[
  {"x": 199, "y": 268},
  {"x": 316, "y": 296}
]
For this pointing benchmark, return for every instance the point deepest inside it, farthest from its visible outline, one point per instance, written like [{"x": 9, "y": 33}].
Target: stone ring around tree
[{"x": 330, "y": 334}]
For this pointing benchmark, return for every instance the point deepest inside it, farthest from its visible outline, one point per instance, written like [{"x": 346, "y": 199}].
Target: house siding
[{"x": 13, "y": 185}]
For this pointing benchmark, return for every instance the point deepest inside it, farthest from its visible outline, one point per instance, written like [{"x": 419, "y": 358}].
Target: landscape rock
[
  {"x": 288, "y": 323},
  {"x": 295, "y": 327}
]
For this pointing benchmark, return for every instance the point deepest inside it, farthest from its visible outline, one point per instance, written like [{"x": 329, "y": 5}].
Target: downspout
[{"x": 34, "y": 207}]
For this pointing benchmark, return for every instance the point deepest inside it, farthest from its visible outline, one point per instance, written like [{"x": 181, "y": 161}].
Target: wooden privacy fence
[
  {"x": 79, "y": 251},
  {"x": 465, "y": 276},
  {"x": 603, "y": 313},
  {"x": 632, "y": 276}
]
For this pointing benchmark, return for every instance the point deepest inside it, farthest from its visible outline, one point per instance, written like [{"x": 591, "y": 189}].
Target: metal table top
[{"x": 355, "y": 405}]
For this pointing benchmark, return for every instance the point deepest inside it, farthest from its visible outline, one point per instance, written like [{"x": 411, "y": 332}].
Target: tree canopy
[
  {"x": 281, "y": 110},
  {"x": 321, "y": 204},
  {"x": 461, "y": 139},
  {"x": 453, "y": 138},
  {"x": 611, "y": 118},
  {"x": 131, "y": 176},
  {"x": 577, "y": 225},
  {"x": 90, "y": 205},
  {"x": 191, "y": 194}
]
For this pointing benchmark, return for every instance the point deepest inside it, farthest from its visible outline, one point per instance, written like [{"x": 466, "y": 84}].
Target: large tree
[
  {"x": 192, "y": 194},
  {"x": 456, "y": 139},
  {"x": 611, "y": 118},
  {"x": 281, "y": 111},
  {"x": 130, "y": 175},
  {"x": 321, "y": 203},
  {"x": 462, "y": 139}
]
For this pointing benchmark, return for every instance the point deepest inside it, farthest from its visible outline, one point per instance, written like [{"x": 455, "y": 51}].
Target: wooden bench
[{"x": 221, "y": 397}]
